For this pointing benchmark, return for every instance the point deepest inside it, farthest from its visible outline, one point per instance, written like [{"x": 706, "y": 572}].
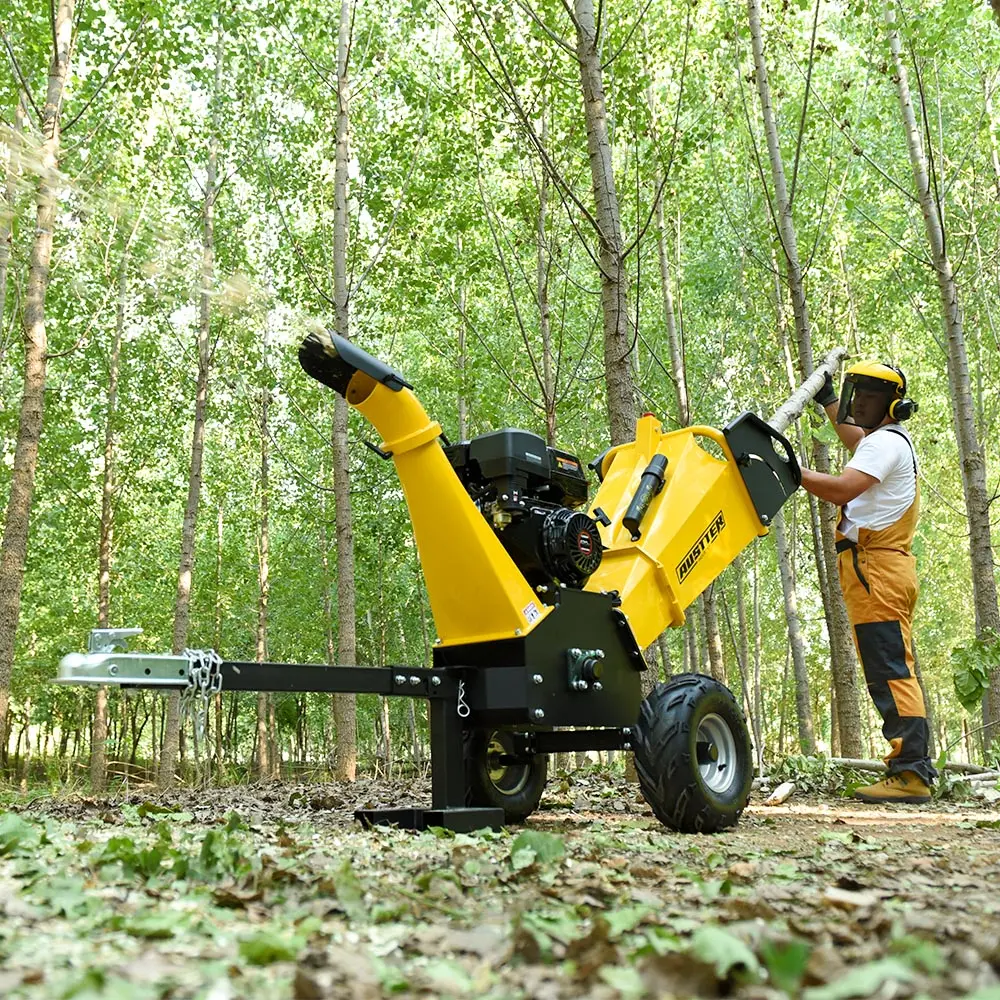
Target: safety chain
[
  {"x": 204, "y": 680},
  {"x": 463, "y": 706}
]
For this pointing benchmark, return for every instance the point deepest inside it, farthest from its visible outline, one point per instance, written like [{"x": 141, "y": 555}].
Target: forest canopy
[{"x": 186, "y": 189}]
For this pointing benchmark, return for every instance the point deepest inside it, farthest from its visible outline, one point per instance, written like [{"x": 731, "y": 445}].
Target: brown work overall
[{"x": 878, "y": 576}]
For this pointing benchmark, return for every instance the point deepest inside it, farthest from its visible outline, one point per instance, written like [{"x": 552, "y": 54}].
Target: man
[{"x": 879, "y": 499}]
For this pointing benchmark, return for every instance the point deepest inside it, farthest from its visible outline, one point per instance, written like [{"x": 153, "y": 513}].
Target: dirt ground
[{"x": 820, "y": 898}]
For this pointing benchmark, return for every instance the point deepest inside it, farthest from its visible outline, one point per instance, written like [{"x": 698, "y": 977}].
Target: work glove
[{"x": 827, "y": 393}]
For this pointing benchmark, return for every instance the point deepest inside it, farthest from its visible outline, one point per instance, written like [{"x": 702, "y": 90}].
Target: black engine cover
[
  {"x": 530, "y": 493},
  {"x": 553, "y": 544},
  {"x": 518, "y": 465}
]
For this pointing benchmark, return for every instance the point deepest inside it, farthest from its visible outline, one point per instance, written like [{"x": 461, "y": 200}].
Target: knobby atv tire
[
  {"x": 684, "y": 794},
  {"x": 515, "y": 788}
]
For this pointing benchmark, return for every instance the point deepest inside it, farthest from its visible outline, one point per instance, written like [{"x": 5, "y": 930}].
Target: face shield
[{"x": 864, "y": 400}]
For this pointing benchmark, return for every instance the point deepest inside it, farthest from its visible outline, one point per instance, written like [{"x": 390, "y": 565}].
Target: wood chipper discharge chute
[
  {"x": 542, "y": 603},
  {"x": 476, "y": 592}
]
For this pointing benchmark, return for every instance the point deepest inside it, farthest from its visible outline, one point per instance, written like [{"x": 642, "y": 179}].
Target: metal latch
[{"x": 107, "y": 640}]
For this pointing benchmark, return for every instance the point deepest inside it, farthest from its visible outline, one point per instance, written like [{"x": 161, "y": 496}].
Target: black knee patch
[{"x": 882, "y": 650}]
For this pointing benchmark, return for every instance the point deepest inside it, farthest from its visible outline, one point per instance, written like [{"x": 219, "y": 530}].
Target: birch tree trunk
[
  {"x": 971, "y": 456},
  {"x": 14, "y": 547},
  {"x": 713, "y": 639},
  {"x": 182, "y": 599},
  {"x": 611, "y": 255},
  {"x": 98, "y": 750},
  {"x": 674, "y": 339},
  {"x": 843, "y": 663},
  {"x": 331, "y": 646},
  {"x": 542, "y": 265},
  {"x": 758, "y": 644},
  {"x": 743, "y": 653},
  {"x": 217, "y": 755},
  {"x": 463, "y": 357},
  {"x": 425, "y": 639},
  {"x": 265, "y": 735},
  {"x": 345, "y": 708},
  {"x": 803, "y": 707},
  {"x": 677, "y": 367},
  {"x": 560, "y": 761},
  {"x": 692, "y": 645},
  {"x": 8, "y": 207}
]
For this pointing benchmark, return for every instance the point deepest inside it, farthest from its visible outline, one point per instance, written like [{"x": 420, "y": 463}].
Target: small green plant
[
  {"x": 811, "y": 774},
  {"x": 972, "y": 665}
]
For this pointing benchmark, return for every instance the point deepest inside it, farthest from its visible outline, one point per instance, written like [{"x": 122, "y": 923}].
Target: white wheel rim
[
  {"x": 716, "y": 749},
  {"x": 508, "y": 779}
]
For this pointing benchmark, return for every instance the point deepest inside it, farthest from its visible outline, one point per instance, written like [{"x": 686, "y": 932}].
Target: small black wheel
[
  {"x": 512, "y": 786},
  {"x": 693, "y": 755}
]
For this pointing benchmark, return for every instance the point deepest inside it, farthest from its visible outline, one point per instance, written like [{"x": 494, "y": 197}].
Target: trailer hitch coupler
[{"x": 649, "y": 486}]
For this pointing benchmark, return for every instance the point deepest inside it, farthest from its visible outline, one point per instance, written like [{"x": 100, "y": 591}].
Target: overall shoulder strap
[{"x": 906, "y": 438}]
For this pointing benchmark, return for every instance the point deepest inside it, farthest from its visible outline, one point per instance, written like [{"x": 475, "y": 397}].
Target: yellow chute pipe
[
  {"x": 694, "y": 527},
  {"x": 476, "y": 591}
]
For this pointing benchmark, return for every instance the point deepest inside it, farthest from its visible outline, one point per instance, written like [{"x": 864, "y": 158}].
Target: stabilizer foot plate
[{"x": 459, "y": 819}]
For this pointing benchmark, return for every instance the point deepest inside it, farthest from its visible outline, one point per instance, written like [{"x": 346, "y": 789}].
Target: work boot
[{"x": 902, "y": 787}]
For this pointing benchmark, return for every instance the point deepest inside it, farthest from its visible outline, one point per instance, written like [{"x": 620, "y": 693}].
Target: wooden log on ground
[
  {"x": 957, "y": 767},
  {"x": 859, "y": 765},
  {"x": 780, "y": 794},
  {"x": 963, "y": 768}
]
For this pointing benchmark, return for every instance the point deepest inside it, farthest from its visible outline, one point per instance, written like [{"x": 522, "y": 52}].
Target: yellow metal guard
[{"x": 694, "y": 528}]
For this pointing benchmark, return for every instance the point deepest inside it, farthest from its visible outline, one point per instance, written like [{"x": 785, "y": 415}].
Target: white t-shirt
[{"x": 885, "y": 454}]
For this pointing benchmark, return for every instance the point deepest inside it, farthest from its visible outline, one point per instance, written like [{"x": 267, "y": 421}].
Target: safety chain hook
[{"x": 204, "y": 680}]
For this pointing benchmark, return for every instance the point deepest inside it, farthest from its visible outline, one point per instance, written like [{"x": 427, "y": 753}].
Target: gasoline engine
[{"x": 531, "y": 494}]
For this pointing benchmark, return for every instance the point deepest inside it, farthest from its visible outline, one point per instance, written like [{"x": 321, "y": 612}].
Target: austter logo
[{"x": 697, "y": 550}]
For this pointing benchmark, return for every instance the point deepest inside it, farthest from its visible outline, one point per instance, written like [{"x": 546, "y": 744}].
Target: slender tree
[
  {"x": 971, "y": 455},
  {"x": 267, "y": 765},
  {"x": 344, "y": 705},
  {"x": 15, "y": 138},
  {"x": 98, "y": 751},
  {"x": 843, "y": 662},
  {"x": 182, "y": 599},
  {"x": 611, "y": 246},
  {"x": 803, "y": 707},
  {"x": 14, "y": 547}
]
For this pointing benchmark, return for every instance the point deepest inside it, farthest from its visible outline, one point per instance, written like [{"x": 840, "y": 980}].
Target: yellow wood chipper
[{"x": 543, "y": 603}]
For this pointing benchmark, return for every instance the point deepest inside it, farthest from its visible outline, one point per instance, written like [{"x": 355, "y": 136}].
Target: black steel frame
[{"x": 440, "y": 685}]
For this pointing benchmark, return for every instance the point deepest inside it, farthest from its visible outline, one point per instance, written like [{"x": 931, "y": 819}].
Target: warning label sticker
[{"x": 531, "y": 613}]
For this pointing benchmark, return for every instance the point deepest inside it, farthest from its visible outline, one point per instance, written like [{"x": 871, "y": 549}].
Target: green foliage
[
  {"x": 266, "y": 947},
  {"x": 811, "y": 774},
  {"x": 864, "y": 981},
  {"x": 405, "y": 913},
  {"x": 725, "y": 953},
  {"x": 972, "y": 666},
  {"x": 786, "y": 962},
  {"x": 445, "y": 196},
  {"x": 16, "y": 835},
  {"x": 531, "y": 846},
  {"x": 220, "y": 853}
]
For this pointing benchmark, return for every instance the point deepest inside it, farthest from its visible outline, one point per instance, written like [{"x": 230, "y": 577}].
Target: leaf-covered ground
[{"x": 274, "y": 892}]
